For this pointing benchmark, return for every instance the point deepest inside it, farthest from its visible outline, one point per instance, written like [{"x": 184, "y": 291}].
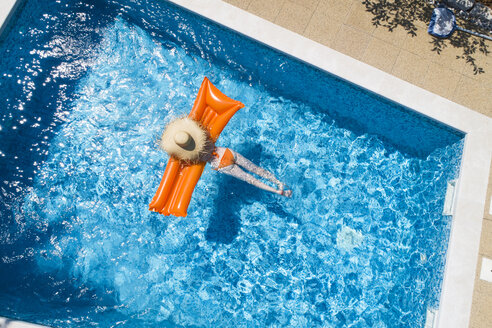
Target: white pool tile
[
  {"x": 490, "y": 206},
  {"x": 486, "y": 271},
  {"x": 6, "y": 7},
  {"x": 8, "y": 323}
]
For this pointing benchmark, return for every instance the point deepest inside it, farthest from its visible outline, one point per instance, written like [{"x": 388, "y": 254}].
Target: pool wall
[
  {"x": 8, "y": 9},
  {"x": 459, "y": 276}
]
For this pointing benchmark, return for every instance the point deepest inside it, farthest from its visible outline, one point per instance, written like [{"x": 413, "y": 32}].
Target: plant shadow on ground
[{"x": 391, "y": 14}]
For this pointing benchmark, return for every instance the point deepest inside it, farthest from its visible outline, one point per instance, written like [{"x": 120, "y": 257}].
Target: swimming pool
[{"x": 368, "y": 176}]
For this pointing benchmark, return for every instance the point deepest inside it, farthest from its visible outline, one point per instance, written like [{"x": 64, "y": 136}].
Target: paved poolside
[{"x": 346, "y": 26}]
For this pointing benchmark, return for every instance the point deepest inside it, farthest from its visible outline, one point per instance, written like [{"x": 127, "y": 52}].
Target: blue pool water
[{"x": 90, "y": 86}]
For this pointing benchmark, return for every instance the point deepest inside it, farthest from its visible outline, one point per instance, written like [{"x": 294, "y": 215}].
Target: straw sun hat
[{"x": 185, "y": 139}]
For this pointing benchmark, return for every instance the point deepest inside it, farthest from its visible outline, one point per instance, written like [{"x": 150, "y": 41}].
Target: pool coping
[
  {"x": 463, "y": 249},
  {"x": 9, "y": 323},
  {"x": 462, "y": 255},
  {"x": 7, "y": 12}
]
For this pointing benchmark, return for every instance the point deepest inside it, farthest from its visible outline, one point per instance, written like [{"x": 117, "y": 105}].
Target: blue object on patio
[
  {"x": 443, "y": 24},
  {"x": 464, "y": 5}
]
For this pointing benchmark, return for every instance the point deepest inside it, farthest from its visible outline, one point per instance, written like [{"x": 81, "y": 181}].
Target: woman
[{"x": 186, "y": 140}]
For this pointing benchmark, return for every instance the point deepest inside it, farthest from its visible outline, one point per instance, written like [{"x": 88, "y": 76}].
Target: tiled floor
[{"x": 346, "y": 26}]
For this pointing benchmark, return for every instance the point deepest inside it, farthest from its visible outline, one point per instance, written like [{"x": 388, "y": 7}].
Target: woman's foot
[{"x": 286, "y": 193}]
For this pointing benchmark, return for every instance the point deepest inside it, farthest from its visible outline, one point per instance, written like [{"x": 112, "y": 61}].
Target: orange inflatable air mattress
[{"x": 213, "y": 110}]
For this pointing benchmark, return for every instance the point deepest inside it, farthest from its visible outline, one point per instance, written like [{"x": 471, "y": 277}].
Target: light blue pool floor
[{"x": 360, "y": 243}]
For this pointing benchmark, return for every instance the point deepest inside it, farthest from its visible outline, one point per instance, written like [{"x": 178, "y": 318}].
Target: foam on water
[{"x": 361, "y": 242}]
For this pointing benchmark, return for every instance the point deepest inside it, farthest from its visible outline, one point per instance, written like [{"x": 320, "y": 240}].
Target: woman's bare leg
[
  {"x": 250, "y": 166},
  {"x": 235, "y": 171}
]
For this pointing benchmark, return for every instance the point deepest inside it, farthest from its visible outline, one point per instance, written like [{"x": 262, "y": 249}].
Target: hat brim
[{"x": 194, "y": 129}]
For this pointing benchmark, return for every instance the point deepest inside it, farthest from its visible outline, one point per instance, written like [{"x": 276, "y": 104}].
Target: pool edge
[
  {"x": 464, "y": 241},
  {"x": 8, "y": 8},
  {"x": 9, "y": 323}
]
